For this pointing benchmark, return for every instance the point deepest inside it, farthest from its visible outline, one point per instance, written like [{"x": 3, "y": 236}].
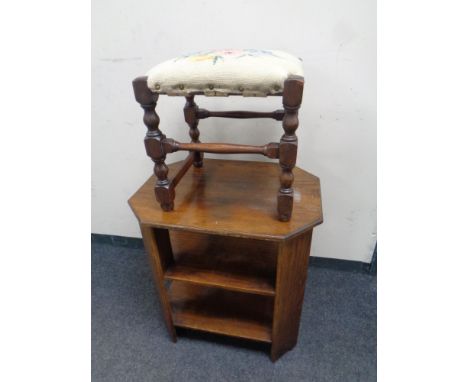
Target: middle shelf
[{"x": 243, "y": 265}]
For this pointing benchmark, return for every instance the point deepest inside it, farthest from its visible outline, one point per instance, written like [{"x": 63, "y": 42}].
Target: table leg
[
  {"x": 159, "y": 250},
  {"x": 291, "y": 276}
]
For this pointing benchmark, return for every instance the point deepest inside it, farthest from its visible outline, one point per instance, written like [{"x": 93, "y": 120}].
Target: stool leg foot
[
  {"x": 163, "y": 190},
  {"x": 198, "y": 163},
  {"x": 190, "y": 113},
  {"x": 285, "y": 201},
  {"x": 292, "y": 97}
]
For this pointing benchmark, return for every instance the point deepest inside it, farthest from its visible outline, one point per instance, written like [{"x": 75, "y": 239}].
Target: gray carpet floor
[{"x": 337, "y": 337}]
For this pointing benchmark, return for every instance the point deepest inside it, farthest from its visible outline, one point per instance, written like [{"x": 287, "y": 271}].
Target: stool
[{"x": 245, "y": 72}]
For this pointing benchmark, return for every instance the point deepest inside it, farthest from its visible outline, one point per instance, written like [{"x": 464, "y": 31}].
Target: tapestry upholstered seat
[{"x": 245, "y": 72}]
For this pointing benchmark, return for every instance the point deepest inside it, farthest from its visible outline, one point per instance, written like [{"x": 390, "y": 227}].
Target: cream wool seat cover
[{"x": 247, "y": 72}]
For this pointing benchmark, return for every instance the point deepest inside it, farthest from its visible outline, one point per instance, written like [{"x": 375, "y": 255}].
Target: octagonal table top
[{"x": 233, "y": 198}]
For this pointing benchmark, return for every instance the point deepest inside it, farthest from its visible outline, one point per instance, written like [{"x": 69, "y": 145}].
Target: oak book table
[{"x": 222, "y": 262}]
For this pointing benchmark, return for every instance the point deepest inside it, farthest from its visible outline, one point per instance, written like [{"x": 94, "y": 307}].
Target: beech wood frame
[{"x": 158, "y": 146}]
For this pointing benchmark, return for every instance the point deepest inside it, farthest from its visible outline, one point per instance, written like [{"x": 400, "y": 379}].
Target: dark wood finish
[
  {"x": 233, "y": 268},
  {"x": 244, "y": 265},
  {"x": 184, "y": 168},
  {"x": 148, "y": 100},
  {"x": 158, "y": 248},
  {"x": 157, "y": 146},
  {"x": 277, "y": 114},
  {"x": 270, "y": 150},
  {"x": 242, "y": 203},
  {"x": 292, "y": 98},
  {"x": 191, "y": 117},
  {"x": 222, "y": 312},
  {"x": 293, "y": 258}
]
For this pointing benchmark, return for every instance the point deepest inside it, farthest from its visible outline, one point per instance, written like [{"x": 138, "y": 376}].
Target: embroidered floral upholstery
[{"x": 249, "y": 72}]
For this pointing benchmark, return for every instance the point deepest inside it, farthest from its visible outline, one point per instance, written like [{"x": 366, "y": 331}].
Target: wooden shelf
[
  {"x": 221, "y": 260},
  {"x": 241, "y": 265},
  {"x": 222, "y": 312}
]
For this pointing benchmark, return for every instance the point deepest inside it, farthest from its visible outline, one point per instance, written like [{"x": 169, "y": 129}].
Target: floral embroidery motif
[{"x": 220, "y": 55}]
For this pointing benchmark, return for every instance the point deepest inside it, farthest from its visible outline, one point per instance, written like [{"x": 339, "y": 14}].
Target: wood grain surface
[{"x": 232, "y": 198}]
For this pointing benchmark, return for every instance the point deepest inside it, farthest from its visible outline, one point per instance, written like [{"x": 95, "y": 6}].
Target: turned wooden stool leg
[
  {"x": 154, "y": 148},
  {"x": 292, "y": 97},
  {"x": 190, "y": 113}
]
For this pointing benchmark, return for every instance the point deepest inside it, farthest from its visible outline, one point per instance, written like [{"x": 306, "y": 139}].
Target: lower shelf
[{"x": 220, "y": 311}]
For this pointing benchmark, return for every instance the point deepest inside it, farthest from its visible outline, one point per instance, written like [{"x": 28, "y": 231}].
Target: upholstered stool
[{"x": 246, "y": 72}]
